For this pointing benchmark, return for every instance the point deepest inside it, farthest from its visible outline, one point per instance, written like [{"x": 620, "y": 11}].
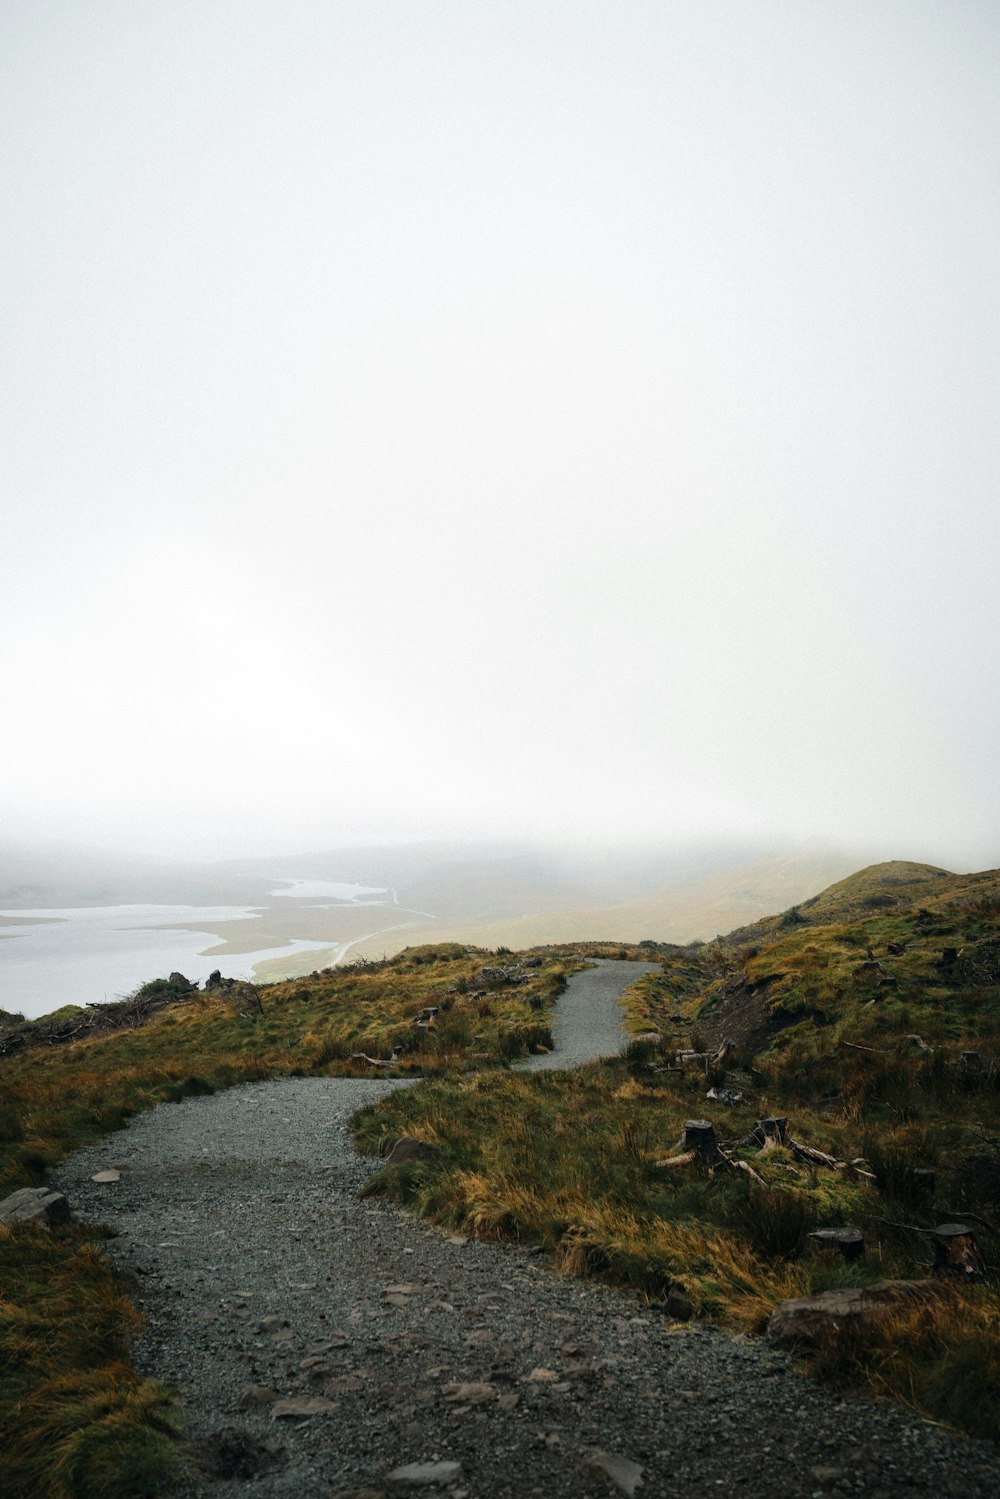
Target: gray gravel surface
[
  {"x": 261, "y": 1266},
  {"x": 588, "y": 1017}
]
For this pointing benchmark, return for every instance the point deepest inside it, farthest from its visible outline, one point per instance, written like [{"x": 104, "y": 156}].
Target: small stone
[
  {"x": 300, "y": 1407},
  {"x": 255, "y": 1395},
  {"x": 474, "y": 1393},
  {"x": 273, "y": 1324},
  {"x": 622, "y": 1471},
  {"x": 540, "y": 1376},
  {"x": 106, "y": 1176},
  {"x": 424, "y": 1474}
]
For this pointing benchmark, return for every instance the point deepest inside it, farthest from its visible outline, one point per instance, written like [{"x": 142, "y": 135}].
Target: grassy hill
[{"x": 867, "y": 1014}]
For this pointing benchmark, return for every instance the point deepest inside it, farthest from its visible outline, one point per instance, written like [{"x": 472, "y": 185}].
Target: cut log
[
  {"x": 848, "y": 1241},
  {"x": 816, "y": 1157},
  {"x": 699, "y": 1136},
  {"x": 773, "y": 1131},
  {"x": 393, "y": 1061},
  {"x": 956, "y": 1251}
]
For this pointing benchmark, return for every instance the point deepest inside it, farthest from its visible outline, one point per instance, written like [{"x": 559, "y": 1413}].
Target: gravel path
[
  {"x": 261, "y": 1268},
  {"x": 587, "y": 1022}
]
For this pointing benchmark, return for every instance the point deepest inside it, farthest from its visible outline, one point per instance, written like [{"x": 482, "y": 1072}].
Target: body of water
[
  {"x": 90, "y": 954},
  {"x": 352, "y": 895}
]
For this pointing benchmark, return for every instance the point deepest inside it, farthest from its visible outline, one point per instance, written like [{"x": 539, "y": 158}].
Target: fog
[{"x": 500, "y": 420}]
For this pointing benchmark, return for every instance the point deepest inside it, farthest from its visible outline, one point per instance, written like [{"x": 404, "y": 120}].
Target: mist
[{"x": 562, "y": 422}]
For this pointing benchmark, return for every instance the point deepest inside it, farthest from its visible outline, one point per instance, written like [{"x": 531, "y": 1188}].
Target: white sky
[{"x": 422, "y": 417}]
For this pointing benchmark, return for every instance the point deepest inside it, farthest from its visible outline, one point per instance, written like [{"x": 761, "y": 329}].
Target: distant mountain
[{"x": 679, "y": 908}]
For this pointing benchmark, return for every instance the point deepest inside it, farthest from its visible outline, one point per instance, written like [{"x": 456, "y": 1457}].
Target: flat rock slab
[
  {"x": 34, "y": 1205},
  {"x": 807, "y": 1321}
]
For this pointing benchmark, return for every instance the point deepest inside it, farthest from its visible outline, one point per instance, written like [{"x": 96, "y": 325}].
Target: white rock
[{"x": 424, "y": 1474}]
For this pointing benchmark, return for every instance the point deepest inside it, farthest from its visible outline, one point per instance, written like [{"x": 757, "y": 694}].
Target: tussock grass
[{"x": 78, "y": 1421}]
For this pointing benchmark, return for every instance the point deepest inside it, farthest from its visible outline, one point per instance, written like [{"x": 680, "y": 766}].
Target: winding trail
[
  {"x": 260, "y": 1266},
  {"x": 588, "y": 1017}
]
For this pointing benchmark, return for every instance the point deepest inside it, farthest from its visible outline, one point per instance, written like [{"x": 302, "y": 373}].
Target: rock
[
  {"x": 255, "y": 1395},
  {"x": 34, "y": 1205},
  {"x": 807, "y": 1321},
  {"x": 300, "y": 1407},
  {"x": 274, "y": 1323},
  {"x": 418, "y": 1475},
  {"x": 235, "y": 1453},
  {"x": 622, "y": 1471},
  {"x": 679, "y": 1305},
  {"x": 408, "y": 1148},
  {"x": 478, "y": 1392},
  {"x": 849, "y": 1242},
  {"x": 107, "y": 1176}
]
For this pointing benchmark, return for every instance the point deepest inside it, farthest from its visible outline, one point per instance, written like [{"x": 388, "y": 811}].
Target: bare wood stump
[
  {"x": 956, "y": 1251},
  {"x": 775, "y": 1131},
  {"x": 849, "y": 1241},
  {"x": 699, "y": 1136}
]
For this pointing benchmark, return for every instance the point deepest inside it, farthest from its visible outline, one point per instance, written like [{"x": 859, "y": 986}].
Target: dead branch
[{"x": 678, "y": 1160}]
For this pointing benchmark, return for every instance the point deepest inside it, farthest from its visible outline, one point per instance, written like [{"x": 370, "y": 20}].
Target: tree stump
[
  {"x": 849, "y": 1241},
  {"x": 699, "y": 1136},
  {"x": 956, "y": 1251},
  {"x": 775, "y": 1131}
]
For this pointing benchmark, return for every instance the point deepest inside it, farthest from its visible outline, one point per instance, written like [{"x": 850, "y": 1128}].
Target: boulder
[
  {"x": 408, "y": 1148},
  {"x": 809, "y": 1321},
  {"x": 34, "y": 1205},
  {"x": 678, "y": 1304}
]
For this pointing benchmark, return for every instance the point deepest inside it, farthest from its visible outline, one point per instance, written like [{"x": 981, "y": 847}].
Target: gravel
[
  {"x": 261, "y": 1267},
  {"x": 587, "y": 1022}
]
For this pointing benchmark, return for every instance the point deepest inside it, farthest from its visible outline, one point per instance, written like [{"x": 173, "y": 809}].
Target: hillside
[
  {"x": 682, "y": 908},
  {"x": 867, "y": 1015}
]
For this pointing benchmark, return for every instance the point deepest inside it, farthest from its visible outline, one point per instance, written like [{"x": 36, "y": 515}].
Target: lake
[{"x": 50, "y": 958}]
